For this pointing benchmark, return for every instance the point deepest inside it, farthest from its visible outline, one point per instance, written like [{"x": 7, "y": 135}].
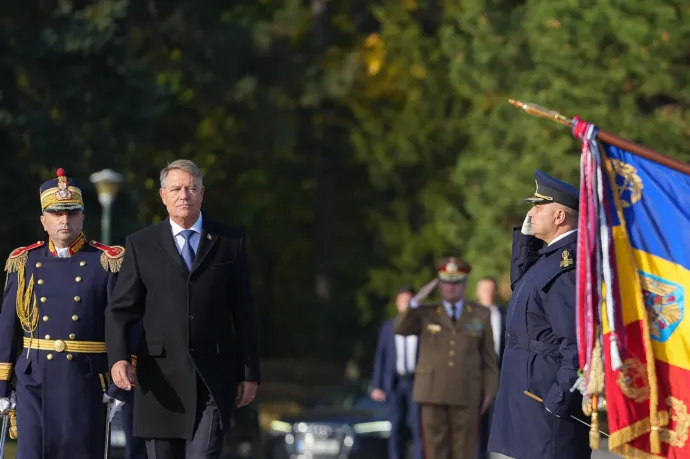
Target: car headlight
[
  {"x": 280, "y": 427},
  {"x": 382, "y": 428}
]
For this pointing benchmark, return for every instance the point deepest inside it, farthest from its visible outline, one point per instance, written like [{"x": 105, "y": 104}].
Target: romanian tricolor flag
[{"x": 633, "y": 277}]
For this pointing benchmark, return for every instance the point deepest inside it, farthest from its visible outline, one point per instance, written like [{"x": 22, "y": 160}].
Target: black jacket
[{"x": 201, "y": 323}]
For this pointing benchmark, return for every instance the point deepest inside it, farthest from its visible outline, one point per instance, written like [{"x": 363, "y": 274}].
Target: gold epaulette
[
  {"x": 20, "y": 256},
  {"x": 111, "y": 258}
]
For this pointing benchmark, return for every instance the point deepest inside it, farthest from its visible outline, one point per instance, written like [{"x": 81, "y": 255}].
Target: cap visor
[
  {"x": 452, "y": 279},
  {"x": 535, "y": 200},
  {"x": 64, "y": 208}
]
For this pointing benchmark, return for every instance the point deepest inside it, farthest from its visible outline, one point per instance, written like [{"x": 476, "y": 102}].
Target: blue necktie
[{"x": 187, "y": 251}]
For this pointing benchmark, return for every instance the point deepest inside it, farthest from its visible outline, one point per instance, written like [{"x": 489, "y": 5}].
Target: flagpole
[{"x": 607, "y": 137}]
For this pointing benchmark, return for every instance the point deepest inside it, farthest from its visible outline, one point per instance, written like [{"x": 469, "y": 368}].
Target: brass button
[
  {"x": 45, "y": 318},
  {"x": 47, "y": 336},
  {"x": 82, "y": 263},
  {"x": 59, "y": 346},
  {"x": 38, "y": 264},
  {"x": 75, "y": 317},
  {"x": 72, "y": 336},
  {"x": 78, "y": 278},
  {"x": 40, "y": 282},
  {"x": 69, "y": 356},
  {"x": 452, "y": 343},
  {"x": 43, "y": 299},
  {"x": 49, "y": 356},
  {"x": 450, "y": 364},
  {"x": 77, "y": 299},
  {"x": 451, "y": 353}
]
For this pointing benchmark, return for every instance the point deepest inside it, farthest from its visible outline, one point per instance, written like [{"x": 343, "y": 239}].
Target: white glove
[
  {"x": 5, "y": 406},
  {"x": 527, "y": 226}
]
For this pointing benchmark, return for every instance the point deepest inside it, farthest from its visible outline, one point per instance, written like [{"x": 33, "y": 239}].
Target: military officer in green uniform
[{"x": 457, "y": 372}]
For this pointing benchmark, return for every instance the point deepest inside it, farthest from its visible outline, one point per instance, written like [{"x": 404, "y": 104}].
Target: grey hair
[
  {"x": 573, "y": 216},
  {"x": 183, "y": 165}
]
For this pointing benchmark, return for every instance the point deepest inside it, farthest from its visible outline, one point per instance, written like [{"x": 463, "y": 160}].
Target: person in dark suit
[
  {"x": 187, "y": 280},
  {"x": 486, "y": 296},
  {"x": 541, "y": 357},
  {"x": 393, "y": 383}
]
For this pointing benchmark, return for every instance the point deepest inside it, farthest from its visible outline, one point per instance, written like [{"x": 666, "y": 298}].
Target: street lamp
[{"x": 107, "y": 184}]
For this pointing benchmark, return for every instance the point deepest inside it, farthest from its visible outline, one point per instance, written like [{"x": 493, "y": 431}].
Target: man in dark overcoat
[
  {"x": 187, "y": 280},
  {"x": 541, "y": 357}
]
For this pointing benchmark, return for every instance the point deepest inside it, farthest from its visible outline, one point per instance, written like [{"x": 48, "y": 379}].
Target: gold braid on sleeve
[{"x": 5, "y": 371}]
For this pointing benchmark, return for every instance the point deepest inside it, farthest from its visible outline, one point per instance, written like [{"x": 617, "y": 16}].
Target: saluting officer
[
  {"x": 541, "y": 358},
  {"x": 52, "y": 331},
  {"x": 457, "y": 370}
]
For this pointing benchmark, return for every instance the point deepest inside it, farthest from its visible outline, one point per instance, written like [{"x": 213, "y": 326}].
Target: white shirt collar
[
  {"x": 458, "y": 306},
  {"x": 562, "y": 236},
  {"x": 177, "y": 229},
  {"x": 62, "y": 252}
]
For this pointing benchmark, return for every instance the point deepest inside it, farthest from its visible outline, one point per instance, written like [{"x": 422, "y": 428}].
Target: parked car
[
  {"x": 242, "y": 442},
  {"x": 345, "y": 424}
]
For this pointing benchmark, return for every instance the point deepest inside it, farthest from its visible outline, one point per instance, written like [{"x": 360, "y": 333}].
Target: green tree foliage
[{"x": 355, "y": 141}]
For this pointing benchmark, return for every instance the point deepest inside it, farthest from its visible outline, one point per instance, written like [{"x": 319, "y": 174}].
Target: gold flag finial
[{"x": 538, "y": 110}]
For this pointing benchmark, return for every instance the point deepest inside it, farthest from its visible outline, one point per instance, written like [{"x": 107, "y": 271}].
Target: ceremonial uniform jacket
[
  {"x": 457, "y": 363},
  {"x": 52, "y": 339},
  {"x": 540, "y": 356}
]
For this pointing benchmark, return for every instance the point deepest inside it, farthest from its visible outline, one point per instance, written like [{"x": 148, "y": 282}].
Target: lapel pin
[{"x": 209, "y": 237}]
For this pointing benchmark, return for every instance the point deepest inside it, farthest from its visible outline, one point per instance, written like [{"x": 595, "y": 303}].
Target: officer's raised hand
[
  {"x": 122, "y": 374},
  {"x": 527, "y": 225}
]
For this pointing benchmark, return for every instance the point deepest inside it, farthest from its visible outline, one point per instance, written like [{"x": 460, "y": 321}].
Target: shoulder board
[
  {"x": 19, "y": 256},
  {"x": 111, "y": 258}
]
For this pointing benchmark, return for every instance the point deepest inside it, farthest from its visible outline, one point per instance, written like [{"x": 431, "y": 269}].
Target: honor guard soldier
[
  {"x": 457, "y": 370},
  {"x": 532, "y": 414},
  {"x": 52, "y": 332}
]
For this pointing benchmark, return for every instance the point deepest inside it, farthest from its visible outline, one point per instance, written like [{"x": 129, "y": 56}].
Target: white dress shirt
[
  {"x": 62, "y": 252},
  {"x": 193, "y": 239},
  {"x": 496, "y": 327},
  {"x": 562, "y": 236},
  {"x": 458, "y": 309},
  {"x": 406, "y": 354}
]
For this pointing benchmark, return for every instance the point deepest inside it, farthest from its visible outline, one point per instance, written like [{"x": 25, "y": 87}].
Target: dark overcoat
[
  {"x": 197, "y": 328},
  {"x": 540, "y": 357}
]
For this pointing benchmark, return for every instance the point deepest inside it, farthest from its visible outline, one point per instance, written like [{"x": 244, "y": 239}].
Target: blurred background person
[
  {"x": 457, "y": 370},
  {"x": 486, "y": 296},
  {"x": 393, "y": 383}
]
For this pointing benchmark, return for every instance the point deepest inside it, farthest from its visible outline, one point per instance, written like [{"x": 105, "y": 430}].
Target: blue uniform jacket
[
  {"x": 540, "y": 356},
  {"x": 57, "y": 350}
]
